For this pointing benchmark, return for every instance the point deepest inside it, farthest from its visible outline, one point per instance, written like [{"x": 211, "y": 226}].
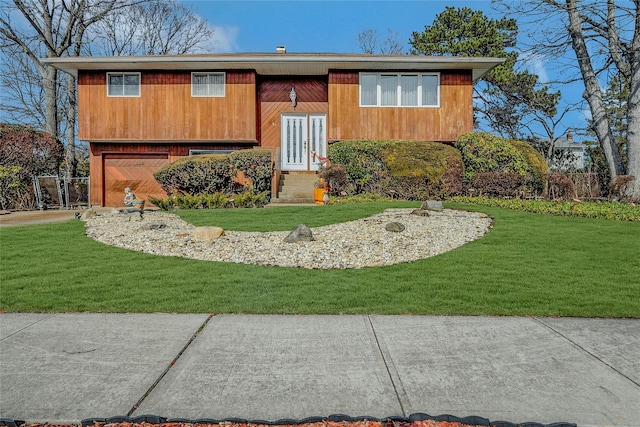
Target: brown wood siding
[
  {"x": 135, "y": 171},
  {"x": 273, "y": 100},
  {"x": 165, "y": 109},
  {"x": 348, "y": 121},
  {"x": 115, "y": 166}
]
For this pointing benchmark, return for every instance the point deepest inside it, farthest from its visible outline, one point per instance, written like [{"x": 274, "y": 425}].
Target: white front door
[{"x": 301, "y": 134}]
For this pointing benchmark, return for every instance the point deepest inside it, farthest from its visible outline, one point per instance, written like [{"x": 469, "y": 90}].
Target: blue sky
[
  {"x": 315, "y": 26},
  {"x": 333, "y": 26}
]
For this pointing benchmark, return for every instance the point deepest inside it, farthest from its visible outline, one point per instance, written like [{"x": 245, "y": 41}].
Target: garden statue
[
  {"x": 131, "y": 202},
  {"x": 129, "y": 197}
]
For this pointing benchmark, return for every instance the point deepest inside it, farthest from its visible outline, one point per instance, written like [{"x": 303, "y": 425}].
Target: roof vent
[{"x": 281, "y": 49}]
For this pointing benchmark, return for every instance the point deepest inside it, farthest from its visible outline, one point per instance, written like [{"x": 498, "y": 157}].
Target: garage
[{"x": 133, "y": 170}]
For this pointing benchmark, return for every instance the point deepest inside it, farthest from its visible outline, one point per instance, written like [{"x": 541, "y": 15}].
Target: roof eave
[{"x": 276, "y": 64}]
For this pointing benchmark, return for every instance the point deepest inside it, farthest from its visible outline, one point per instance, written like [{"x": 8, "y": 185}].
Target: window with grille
[
  {"x": 208, "y": 84},
  {"x": 123, "y": 84},
  {"x": 399, "y": 90}
]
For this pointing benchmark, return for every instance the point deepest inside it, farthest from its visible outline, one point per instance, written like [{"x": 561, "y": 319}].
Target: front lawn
[{"x": 529, "y": 265}]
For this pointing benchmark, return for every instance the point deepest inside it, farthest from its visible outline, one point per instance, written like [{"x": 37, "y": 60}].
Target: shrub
[
  {"x": 537, "y": 165},
  {"x": 202, "y": 174},
  {"x": 215, "y": 201},
  {"x": 25, "y": 152},
  {"x": 361, "y": 160},
  {"x": 597, "y": 210},
  {"x": 255, "y": 165},
  {"x": 422, "y": 170},
  {"x": 409, "y": 169},
  {"x": 618, "y": 186},
  {"x": 163, "y": 204},
  {"x": 483, "y": 152},
  {"x": 561, "y": 187},
  {"x": 214, "y": 173},
  {"x": 499, "y": 184},
  {"x": 335, "y": 176},
  {"x": 250, "y": 199}
]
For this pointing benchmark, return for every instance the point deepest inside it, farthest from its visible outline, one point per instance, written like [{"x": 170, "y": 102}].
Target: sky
[
  {"x": 315, "y": 26},
  {"x": 333, "y": 26}
]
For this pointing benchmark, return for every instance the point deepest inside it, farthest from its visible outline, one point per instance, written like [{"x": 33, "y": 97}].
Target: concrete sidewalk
[{"x": 68, "y": 367}]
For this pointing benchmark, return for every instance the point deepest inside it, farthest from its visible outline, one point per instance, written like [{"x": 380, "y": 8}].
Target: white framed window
[
  {"x": 399, "y": 89},
  {"x": 123, "y": 84},
  {"x": 208, "y": 84}
]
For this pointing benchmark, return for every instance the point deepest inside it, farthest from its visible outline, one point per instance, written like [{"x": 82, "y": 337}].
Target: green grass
[{"x": 529, "y": 265}]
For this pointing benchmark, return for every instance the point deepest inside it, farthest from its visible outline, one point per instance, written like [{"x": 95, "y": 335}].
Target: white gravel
[{"x": 354, "y": 244}]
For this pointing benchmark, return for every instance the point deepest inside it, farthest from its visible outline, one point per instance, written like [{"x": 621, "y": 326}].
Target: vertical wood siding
[
  {"x": 348, "y": 121},
  {"x": 165, "y": 109},
  {"x": 115, "y": 166},
  {"x": 273, "y": 100}
]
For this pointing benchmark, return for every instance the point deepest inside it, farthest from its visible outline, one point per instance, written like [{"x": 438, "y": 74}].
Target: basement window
[
  {"x": 208, "y": 84},
  {"x": 123, "y": 84}
]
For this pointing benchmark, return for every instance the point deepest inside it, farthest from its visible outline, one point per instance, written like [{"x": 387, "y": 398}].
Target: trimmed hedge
[
  {"x": 213, "y": 173},
  {"x": 413, "y": 170},
  {"x": 483, "y": 153}
]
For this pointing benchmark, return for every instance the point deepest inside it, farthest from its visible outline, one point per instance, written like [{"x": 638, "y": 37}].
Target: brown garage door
[{"x": 131, "y": 170}]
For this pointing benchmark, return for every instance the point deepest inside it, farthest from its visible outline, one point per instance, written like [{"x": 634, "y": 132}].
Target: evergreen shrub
[
  {"x": 255, "y": 165},
  {"x": 207, "y": 181},
  {"x": 485, "y": 153},
  {"x": 202, "y": 174},
  {"x": 213, "y": 173},
  {"x": 413, "y": 170}
]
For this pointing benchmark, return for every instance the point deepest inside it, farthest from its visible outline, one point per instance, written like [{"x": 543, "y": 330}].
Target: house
[
  {"x": 140, "y": 113},
  {"x": 570, "y": 154}
]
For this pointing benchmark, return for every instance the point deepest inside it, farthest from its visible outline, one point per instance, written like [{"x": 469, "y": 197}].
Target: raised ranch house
[{"x": 140, "y": 113}]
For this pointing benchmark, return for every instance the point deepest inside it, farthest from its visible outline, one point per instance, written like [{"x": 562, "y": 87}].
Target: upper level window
[
  {"x": 399, "y": 90},
  {"x": 123, "y": 84},
  {"x": 207, "y": 84}
]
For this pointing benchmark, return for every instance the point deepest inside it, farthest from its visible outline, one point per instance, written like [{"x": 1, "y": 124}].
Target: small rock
[
  {"x": 88, "y": 214},
  {"x": 207, "y": 233},
  {"x": 420, "y": 212},
  {"x": 301, "y": 233},
  {"x": 154, "y": 226},
  {"x": 132, "y": 216},
  {"x": 395, "y": 227},
  {"x": 432, "y": 205},
  {"x": 115, "y": 211}
]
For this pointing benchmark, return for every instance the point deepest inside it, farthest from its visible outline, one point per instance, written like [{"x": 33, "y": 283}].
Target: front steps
[{"x": 296, "y": 187}]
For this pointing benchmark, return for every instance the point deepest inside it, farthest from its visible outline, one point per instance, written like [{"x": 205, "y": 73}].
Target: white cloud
[
  {"x": 535, "y": 63},
  {"x": 225, "y": 38}
]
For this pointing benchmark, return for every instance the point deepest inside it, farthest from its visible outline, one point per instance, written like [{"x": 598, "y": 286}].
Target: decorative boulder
[
  {"x": 301, "y": 233},
  {"x": 432, "y": 205},
  {"x": 207, "y": 233},
  {"x": 395, "y": 227}
]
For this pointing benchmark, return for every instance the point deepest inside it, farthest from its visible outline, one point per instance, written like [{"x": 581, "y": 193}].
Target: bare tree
[
  {"x": 601, "y": 35},
  {"x": 33, "y": 29},
  {"x": 154, "y": 27},
  {"x": 50, "y": 28},
  {"x": 371, "y": 42}
]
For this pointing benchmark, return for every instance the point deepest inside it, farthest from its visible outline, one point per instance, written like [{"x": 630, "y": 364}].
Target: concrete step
[
  {"x": 296, "y": 188},
  {"x": 293, "y": 200}
]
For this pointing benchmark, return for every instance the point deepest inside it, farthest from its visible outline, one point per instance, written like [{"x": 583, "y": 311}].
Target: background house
[
  {"x": 568, "y": 155},
  {"x": 140, "y": 113}
]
